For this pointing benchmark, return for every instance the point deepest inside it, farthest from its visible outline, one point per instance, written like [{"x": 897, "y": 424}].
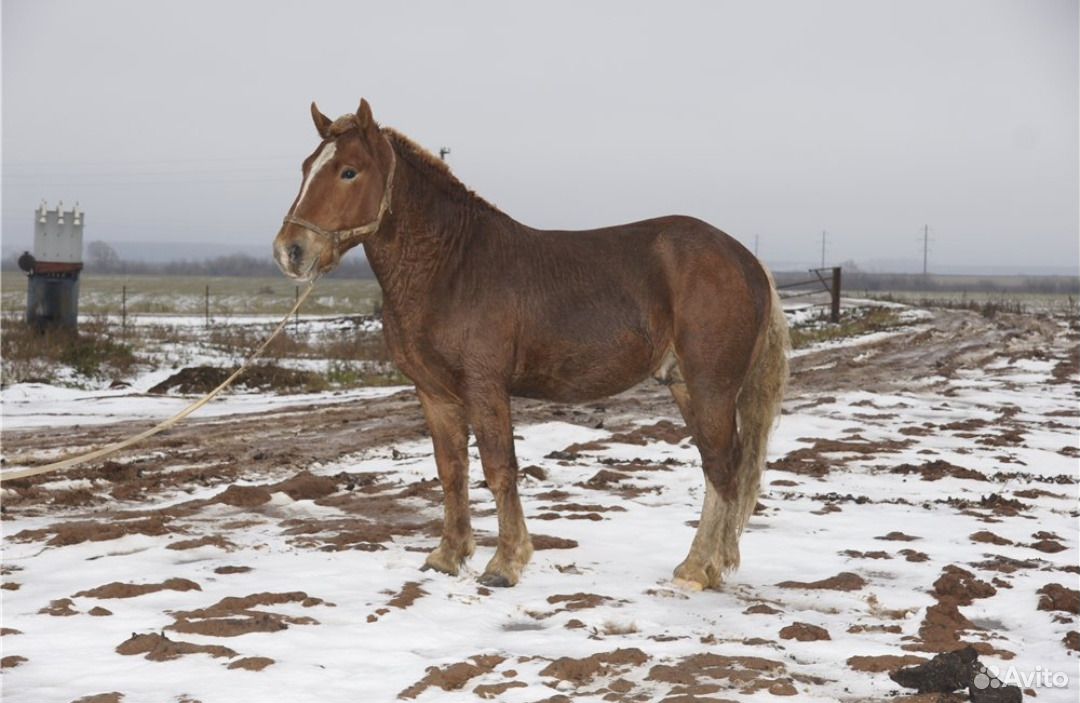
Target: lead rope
[{"x": 113, "y": 448}]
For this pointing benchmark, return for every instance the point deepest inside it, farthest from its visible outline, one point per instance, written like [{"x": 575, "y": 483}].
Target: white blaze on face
[{"x": 321, "y": 160}]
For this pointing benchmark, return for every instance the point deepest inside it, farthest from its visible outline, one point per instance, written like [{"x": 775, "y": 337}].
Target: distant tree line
[{"x": 103, "y": 258}]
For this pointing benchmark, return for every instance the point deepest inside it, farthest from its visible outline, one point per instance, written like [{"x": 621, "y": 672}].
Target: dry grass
[
  {"x": 854, "y": 323},
  {"x": 29, "y": 354}
]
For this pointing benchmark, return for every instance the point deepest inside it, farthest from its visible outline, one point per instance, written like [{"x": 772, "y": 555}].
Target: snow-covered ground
[{"x": 310, "y": 590}]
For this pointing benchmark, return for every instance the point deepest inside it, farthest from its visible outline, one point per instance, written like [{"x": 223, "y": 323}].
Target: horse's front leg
[
  {"x": 489, "y": 414},
  {"x": 450, "y": 437}
]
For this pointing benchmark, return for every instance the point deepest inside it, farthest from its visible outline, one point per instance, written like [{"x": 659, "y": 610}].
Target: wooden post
[
  {"x": 207, "y": 305},
  {"x": 296, "y": 315},
  {"x": 123, "y": 310},
  {"x": 835, "y": 315}
]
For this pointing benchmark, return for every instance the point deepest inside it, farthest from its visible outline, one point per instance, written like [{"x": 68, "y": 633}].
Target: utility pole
[
  {"x": 823, "y": 235},
  {"x": 443, "y": 152},
  {"x": 925, "y": 246}
]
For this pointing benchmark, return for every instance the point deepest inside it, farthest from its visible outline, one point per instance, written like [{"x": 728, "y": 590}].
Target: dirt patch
[
  {"x": 938, "y": 469},
  {"x": 99, "y": 612},
  {"x": 11, "y": 661},
  {"x": 748, "y": 674},
  {"x": 1054, "y": 596},
  {"x": 79, "y": 531},
  {"x": 263, "y": 377},
  {"x": 251, "y": 663},
  {"x": 844, "y": 581},
  {"x": 814, "y": 460},
  {"x": 453, "y": 677},
  {"x": 243, "y": 496},
  {"x": 987, "y": 537},
  {"x": 233, "y": 616},
  {"x": 409, "y": 594},
  {"x": 206, "y": 541},
  {"x": 133, "y": 590},
  {"x": 662, "y": 431},
  {"x": 804, "y": 632},
  {"x": 542, "y": 542},
  {"x": 580, "y": 671},
  {"x": 305, "y": 486},
  {"x": 160, "y": 648},
  {"x": 494, "y": 690},
  {"x": 898, "y": 537},
  {"x": 883, "y": 662},
  {"x": 232, "y": 570},
  {"x": 579, "y": 601},
  {"x": 111, "y": 697}
]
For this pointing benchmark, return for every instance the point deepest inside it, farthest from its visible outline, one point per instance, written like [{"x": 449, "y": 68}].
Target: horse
[{"x": 479, "y": 308}]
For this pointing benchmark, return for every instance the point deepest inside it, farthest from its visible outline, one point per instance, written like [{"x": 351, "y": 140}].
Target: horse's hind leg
[
  {"x": 450, "y": 436},
  {"x": 709, "y": 411}
]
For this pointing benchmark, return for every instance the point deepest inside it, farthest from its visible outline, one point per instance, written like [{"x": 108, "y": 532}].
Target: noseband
[{"x": 339, "y": 237}]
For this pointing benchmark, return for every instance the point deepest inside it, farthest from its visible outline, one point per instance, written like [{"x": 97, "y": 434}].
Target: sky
[{"x": 186, "y": 122}]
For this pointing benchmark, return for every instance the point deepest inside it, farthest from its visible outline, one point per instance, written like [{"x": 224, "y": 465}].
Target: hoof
[
  {"x": 437, "y": 561},
  {"x": 495, "y": 581},
  {"x": 688, "y": 585}
]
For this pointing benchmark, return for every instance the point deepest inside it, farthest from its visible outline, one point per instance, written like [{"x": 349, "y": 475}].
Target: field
[
  {"x": 921, "y": 495},
  {"x": 186, "y": 295}
]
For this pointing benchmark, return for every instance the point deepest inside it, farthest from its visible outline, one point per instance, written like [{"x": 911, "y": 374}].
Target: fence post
[
  {"x": 123, "y": 311},
  {"x": 296, "y": 315},
  {"x": 207, "y": 306},
  {"x": 835, "y": 290}
]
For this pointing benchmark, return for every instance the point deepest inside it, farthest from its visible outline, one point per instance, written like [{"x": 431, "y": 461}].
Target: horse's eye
[{"x": 348, "y": 174}]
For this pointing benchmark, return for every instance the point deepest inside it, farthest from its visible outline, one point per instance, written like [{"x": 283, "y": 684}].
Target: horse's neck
[{"x": 426, "y": 239}]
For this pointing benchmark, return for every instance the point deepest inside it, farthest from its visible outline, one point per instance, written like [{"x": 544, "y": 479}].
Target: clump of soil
[
  {"x": 898, "y": 537},
  {"x": 263, "y": 377},
  {"x": 883, "y": 662},
  {"x": 987, "y": 537},
  {"x": 578, "y": 601},
  {"x": 305, "y": 486},
  {"x": 111, "y": 697},
  {"x": 232, "y": 570},
  {"x": 1054, "y": 596},
  {"x": 804, "y": 632},
  {"x": 251, "y": 663},
  {"x": 938, "y": 469},
  {"x": 243, "y": 496},
  {"x": 542, "y": 542},
  {"x": 582, "y": 670},
  {"x": 160, "y": 648},
  {"x": 99, "y": 612},
  {"x": 11, "y": 661},
  {"x": 79, "y": 531},
  {"x": 961, "y": 586},
  {"x": 232, "y": 616},
  {"x": 454, "y": 676},
  {"x": 494, "y": 690},
  {"x": 206, "y": 541},
  {"x": 664, "y": 431},
  {"x": 132, "y": 590},
  {"x": 844, "y": 581},
  {"x": 410, "y": 593},
  {"x": 749, "y": 674}
]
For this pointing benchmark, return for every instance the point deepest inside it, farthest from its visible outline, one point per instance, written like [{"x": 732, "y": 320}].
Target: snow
[{"x": 625, "y": 556}]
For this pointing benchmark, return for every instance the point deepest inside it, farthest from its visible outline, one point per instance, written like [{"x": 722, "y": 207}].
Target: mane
[{"x": 430, "y": 166}]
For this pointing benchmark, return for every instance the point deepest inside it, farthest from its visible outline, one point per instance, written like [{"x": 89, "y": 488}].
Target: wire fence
[{"x": 824, "y": 280}]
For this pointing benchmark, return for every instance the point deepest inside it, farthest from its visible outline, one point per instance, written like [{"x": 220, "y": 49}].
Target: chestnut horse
[{"x": 478, "y": 308}]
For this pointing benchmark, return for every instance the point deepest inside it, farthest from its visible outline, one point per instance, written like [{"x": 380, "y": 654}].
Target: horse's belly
[{"x": 582, "y": 370}]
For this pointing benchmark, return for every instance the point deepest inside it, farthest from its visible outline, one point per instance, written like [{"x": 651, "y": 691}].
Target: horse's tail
[{"x": 758, "y": 406}]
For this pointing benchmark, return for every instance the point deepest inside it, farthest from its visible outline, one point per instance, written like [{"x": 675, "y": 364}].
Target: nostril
[{"x": 295, "y": 253}]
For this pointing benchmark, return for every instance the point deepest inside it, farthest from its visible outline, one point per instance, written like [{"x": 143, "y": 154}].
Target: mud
[
  {"x": 197, "y": 380},
  {"x": 579, "y": 671},
  {"x": 844, "y": 581},
  {"x": 453, "y": 677},
  {"x": 251, "y": 663},
  {"x": 804, "y": 632},
  {"x": 133, "y": 590},
  {"x": 160, "y": 648}
]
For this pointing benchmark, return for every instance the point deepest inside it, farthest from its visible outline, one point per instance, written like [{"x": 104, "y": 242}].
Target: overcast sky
[{"x": 188, "y": 121}]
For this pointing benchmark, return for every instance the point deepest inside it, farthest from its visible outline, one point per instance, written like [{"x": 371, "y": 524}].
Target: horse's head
[{"x": 343, "y": 198}]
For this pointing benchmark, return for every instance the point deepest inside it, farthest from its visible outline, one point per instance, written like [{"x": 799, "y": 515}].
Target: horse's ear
[
  {"x": 363, "y": 115},
  {"x": 322, "y": 122}
]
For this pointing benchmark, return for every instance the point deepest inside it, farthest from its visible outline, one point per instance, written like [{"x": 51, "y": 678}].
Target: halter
[{"x": 338, "y": 237}]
